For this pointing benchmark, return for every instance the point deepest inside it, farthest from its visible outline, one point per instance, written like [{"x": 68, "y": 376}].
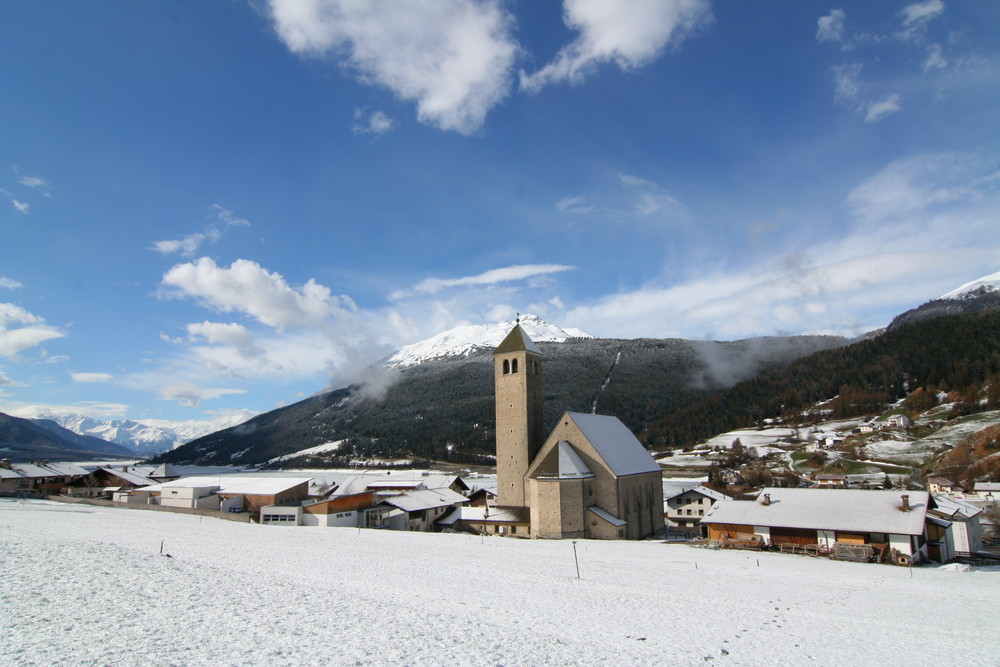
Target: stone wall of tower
[{"x": 519, "y": 436}]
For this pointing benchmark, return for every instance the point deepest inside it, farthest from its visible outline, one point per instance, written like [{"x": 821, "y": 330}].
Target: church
[{"x": 590, "y": 478}]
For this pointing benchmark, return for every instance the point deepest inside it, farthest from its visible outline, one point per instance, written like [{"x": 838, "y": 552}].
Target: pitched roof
[
  {"x": 607, "y": 516},
  {"x": 703, "y": 490},
  {"x": 615, "y": 443},
  {"x": 517, "y": 341},
  {"x": 469, "y": 513},
  {"x": 413, "y": 501},
  {"x": 164, "y": 470},
  {"x": 827, "y": 509},
  {"x": 953, "y": 508}
]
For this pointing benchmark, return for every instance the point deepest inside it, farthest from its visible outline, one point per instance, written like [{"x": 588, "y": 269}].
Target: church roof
[
  {"x": 620, "y": 449},
  {"x": 517, "y": 341}
]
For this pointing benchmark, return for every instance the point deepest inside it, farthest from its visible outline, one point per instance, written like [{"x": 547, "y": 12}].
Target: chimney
[
  {"x": 905, "y": 507},
  {"x": 6, "y": 463},
  {"x": 767, "y": 499}
]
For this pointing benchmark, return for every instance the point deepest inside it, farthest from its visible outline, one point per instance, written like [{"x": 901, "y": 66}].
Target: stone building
[{"x": 590, "y": 478}]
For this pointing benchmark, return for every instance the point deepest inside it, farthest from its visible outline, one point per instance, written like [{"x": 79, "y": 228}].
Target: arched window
[
  {"x": 506, "y": 367},
  {"x": 513, "y": 366}
]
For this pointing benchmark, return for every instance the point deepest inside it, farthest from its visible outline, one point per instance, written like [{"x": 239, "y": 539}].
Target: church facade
[{"x": 589, "y": 478}]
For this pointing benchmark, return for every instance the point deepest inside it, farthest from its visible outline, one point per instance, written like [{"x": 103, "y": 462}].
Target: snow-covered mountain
[
  {"x": 990, "y": 283},
  {"x": 462, "y": 341},
  {"x": 974, "y": 296},
  {"x": 146, "y": 439}
]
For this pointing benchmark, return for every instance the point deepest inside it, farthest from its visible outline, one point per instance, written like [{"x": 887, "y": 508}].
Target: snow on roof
[
  {"x": 946, "y": 505},
  {"x": 703, "y": 490},
  {"x": 164, "y": 470},
  {"x": 987, "y": 486},
  {"x": 827, "y": 509},
  {"x": 468, "y": 513},
  {"x": 248, "y": 486},
  {"x": 607, "y": 516},
  {"x": 414, "y": 501},
  {"x": 615, "y": 443},
  {"x": 571, "y": 466},
  {"x": 35, "y": 470},
  {"x": 130, "y": 477}
]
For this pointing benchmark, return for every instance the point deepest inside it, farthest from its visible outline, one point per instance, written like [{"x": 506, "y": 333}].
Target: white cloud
[
  {"x": 878, "y": 110},
  {"x": 21, "y": 330},
  {"x": 846, "y": 82},
  {"x": 7, "y": 283},
  {"x": 492, "y": 277},
  {"x": 577, "y": 205},
  {"x": 630, "y": 35},
  {"x": 453, "y": 58},
  {"x": 91, "y": 377},
  {"x": 232, "y": 334},
  {"x": 36, "y": 183},
  {"x": 922, "y": 12},
  {"x": 189, "y": 245},
  {"x": 248, "y": 288},
  {"x": 192, "y": 395},
  {"x": 831, "y": 26},
  {"x": 22, "y": 207},
  {"x": 935, "y": 58},
  {"x": 93, "y": 409},
  {"x": 375, "y": 123},
  {"x": 914, "y": 228}
]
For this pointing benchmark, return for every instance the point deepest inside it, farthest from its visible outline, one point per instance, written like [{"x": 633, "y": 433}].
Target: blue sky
[{"x": 209, "y": 208}]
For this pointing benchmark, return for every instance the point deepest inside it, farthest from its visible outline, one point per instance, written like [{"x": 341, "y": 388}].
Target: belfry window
[
  {"x": 513, "y": 366},
  {"x": 506, "y": 366}
]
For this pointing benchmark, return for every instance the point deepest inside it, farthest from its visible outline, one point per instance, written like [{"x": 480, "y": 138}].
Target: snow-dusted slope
[
  {"x": 990, "y": 283},
  {"x": 464, "y": 340},
  {"x": 242, "y": 594}
]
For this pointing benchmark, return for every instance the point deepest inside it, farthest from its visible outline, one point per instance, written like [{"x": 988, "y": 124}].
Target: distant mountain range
[{"x": 43, "y": 439}]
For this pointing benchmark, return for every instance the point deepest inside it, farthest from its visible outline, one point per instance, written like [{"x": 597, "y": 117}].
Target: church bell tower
[{"x": 517, "y": 367}]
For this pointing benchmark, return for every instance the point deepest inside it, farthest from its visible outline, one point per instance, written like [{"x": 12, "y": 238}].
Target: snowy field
[{"x": 85, "y": 585}]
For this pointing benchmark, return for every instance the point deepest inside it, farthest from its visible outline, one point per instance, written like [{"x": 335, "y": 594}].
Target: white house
[
  {"x": 686, "y": 507},
  {"x": 418, "y": 510},
  {"x": 966, "y": 534}
]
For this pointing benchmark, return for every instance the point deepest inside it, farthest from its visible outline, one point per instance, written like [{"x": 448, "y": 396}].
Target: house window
[
  {"x": 701, "y": 512},
  {"x": 513, "y": 530}
]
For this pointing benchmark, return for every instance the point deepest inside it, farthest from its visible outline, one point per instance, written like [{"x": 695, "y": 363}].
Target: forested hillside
[{"x": 957, "y": 353}]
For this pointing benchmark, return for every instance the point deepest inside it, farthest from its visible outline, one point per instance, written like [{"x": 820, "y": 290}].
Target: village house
[
  {"x": 37, "y": 477},
  {"x": 939, "y": 485},
  {"x": 591, "y": 478},
  {"x": 887, "y": 524},
  {"x": 828, "y": 480},
  {"x": 419, "y": 510},
  {"x": 226, "y": 493},
  {"x": 966, "y": 534},
  {"x": 685, "y": 508},
  {"x": 485, "y": 520},
  {"x": 108, "y": 480}
]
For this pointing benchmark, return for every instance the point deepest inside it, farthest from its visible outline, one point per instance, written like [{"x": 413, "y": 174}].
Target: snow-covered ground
[{"x": 87, "y": 585}]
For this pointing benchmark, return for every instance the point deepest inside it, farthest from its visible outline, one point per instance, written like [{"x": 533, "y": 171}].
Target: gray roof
[
  {"x": 952, "y": 508},
  {"x": 827, "y": 509},
  {"x": 618, "y": 447},
  {"x": 413, "y": 501}
]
